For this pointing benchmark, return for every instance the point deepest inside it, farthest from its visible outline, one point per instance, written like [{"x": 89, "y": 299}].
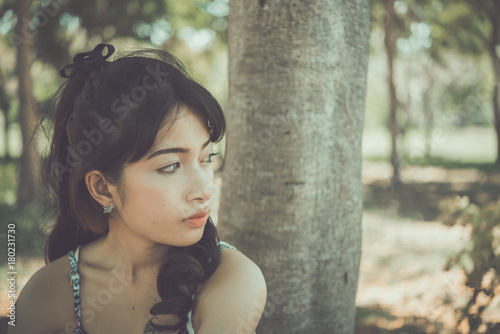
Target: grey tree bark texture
[{"x": 292, "y": 194}]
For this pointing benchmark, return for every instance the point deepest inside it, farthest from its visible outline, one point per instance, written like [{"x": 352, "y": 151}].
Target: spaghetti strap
[
  {"x": 74, "y": 278},
  {"x": 224, "y": 245}
]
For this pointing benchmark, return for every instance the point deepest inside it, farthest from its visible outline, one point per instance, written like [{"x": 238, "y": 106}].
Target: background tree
[
  {"x": 476, "y": 31},
  {"x": 390, "y": 48},
  {"x": 291, "y": 196},
  {"x": 4, "y": 107},
  {"x": 395, "y": 25},
  {"x": 48, "y": 32},
  {"x": 29, "y": 176}
]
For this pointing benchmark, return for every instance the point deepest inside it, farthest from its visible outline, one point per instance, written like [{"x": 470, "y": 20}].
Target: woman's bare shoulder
[
  {"x": 45, "y": 303},
  {"x": 235, "y": 293}
]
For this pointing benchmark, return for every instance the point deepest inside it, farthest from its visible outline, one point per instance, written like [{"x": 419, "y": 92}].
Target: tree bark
[
  {"x": 428, "y": 110},
  {"x": 29, "y": 174},
  {"x": 390, "y": 48},
  {"x": 291, "y": 192},
  {"x": 495, "y": 58},
  {"x": 5, "y": 106}
]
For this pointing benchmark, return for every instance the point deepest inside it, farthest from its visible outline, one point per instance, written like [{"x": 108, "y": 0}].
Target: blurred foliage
[
  {"x": 375, "y": 319},
  {"x": 480, "y": 259},
  {"x": 436, "y": 26},
  {"x": 63, "y": 28},
  {"x": 442, "y": 66},
  {"x": 465, "y": 100},
  {"x": 57, "y": 24},
  {"x": 469, "y": 22},
  {"x": 28, "y": 221}
]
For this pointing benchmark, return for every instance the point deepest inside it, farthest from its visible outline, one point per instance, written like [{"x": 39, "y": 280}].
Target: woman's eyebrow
[{"x": 175, "y": 149}]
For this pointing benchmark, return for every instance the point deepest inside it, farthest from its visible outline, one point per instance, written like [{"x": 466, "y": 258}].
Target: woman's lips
[{"x": 196, "y": 222}]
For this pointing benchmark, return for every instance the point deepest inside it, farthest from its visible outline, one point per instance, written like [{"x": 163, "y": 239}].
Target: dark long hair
[{"x": 109, "y": 117}]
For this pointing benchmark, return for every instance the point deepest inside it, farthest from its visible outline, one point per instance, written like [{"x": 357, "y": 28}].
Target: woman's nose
[{"x": 201, "y": 185}]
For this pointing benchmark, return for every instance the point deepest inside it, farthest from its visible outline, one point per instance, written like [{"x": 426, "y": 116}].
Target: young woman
[{"x": 133, "y": 249}]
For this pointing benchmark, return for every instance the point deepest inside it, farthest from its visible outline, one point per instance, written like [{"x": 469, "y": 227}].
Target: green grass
[
  {"x": 450, "y": 148},
  {"x": 456, "y": 164},
  {"x": 445, "y": 163}
]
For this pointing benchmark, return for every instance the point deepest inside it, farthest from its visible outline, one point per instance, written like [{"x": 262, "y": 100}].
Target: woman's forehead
[{"x": 185, "y": 129}]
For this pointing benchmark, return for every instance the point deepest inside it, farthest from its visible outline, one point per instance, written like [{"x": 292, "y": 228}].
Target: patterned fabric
[
  {"x": 74, "y": 278},
  {"x": 224, "y": 245}
]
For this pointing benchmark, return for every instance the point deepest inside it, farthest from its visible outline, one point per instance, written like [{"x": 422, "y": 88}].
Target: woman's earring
[{"x": 107, "y": 208}]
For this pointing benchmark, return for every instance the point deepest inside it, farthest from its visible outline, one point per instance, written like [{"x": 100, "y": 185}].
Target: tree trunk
[
  {"x": 291, "y": 192},
  {"x": 496, "y": 106},
  {"x": 390, "y": 48},
  {"x": 6, "y": 130},
  {"x": 29, "y": 174},
  {"x": 495, "y": 57},
  {"x": 5, "y": 107},
  {"x": 428, "y": 111}
]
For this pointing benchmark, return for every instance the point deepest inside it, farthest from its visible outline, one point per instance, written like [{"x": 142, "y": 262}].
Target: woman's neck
[{"x": 129, "y": 254}]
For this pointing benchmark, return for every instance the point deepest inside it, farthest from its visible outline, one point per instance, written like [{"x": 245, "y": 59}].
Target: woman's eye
[
  {"x": 210, "y": 156},
  {"x": 170, "y": 169}
]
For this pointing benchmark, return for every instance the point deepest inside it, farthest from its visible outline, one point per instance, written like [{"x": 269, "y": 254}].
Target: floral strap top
[{"x": 74, "y": 278}]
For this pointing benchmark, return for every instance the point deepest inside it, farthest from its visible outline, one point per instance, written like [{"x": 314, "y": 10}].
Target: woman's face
[{"x": 166, "y": 187}]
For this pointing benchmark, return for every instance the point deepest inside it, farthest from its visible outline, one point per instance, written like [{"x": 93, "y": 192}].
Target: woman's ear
[{"x": 99, "y": 188}]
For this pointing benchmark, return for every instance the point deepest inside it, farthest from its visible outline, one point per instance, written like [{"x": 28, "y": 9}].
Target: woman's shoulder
[
  {"x": 46, "y": 301},
  {"x": 235, "y": 291},
  {"x": 234, "y": 265}
]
